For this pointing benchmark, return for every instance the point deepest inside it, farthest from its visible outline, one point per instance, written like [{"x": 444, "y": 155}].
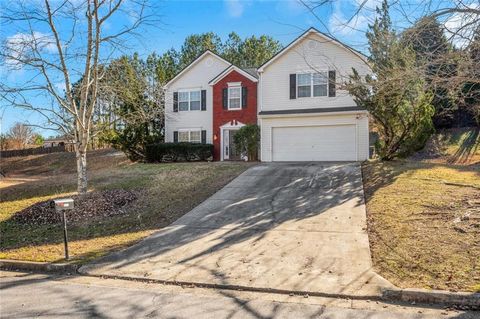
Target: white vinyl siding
[
  {"x": 194, "y": 79},
  {"x": 304, "y": 58}
]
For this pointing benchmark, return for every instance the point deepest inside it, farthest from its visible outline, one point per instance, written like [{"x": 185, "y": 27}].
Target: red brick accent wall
[{"x": 246, "y": 115}]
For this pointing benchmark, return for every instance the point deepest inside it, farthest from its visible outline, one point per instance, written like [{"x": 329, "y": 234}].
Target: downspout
[{"x": 259, "y": 109}]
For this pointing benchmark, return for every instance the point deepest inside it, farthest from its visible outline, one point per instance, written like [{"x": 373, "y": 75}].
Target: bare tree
[
  {"x": 63, "y": 44},
  {"x": 451, "y": 71},
  {"x": 460, "y": 19},
  {"x": 21, "y": 134}
]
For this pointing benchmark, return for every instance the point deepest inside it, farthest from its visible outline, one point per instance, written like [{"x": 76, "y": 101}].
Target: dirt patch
[
  {"x": 94, "y": 205},
  {"x": 424, "y": 229},
  {"x": 459, "y": 146}
]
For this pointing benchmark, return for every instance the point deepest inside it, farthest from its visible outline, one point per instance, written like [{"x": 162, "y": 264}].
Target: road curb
[
  {"x": 411, "y": 295},
  {"x": 60, "y": 268},
  {"x": 468, "y": 300},
  {"x": 237, "y": 287}
]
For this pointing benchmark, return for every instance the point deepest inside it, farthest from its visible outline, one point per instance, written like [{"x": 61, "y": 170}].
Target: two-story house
[{"x": 297, "y": 98}]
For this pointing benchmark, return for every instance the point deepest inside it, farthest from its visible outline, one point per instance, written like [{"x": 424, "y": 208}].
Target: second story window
[
  {"x": 312, "y": 84},
  {"x": 189, "y": 100},
  {"x": 304, "y": 85},
  {"x": 234, "y": 97}
]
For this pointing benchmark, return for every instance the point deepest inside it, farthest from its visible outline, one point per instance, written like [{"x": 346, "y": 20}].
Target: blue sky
[{"x": 283, "y": 20}]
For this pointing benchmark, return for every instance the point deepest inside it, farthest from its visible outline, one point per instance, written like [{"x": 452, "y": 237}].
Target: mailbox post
[{"x": 61, "y": 205}]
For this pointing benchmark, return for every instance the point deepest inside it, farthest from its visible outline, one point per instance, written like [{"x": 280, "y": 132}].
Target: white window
[
  {"x": 194, "y": 136},
  {"x": 312, "y": 84},
  {"x": 195, "y": 100},
  {"x": 234, "y": 97},
  {"x": 189, "y": 100},
  {"x": 304, "y": 83},
  {"x": 183, "y": 103},
  {"x": 320, "y": 84}
]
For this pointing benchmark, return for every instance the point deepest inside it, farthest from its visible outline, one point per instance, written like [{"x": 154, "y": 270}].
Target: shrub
[
  {"x": 176, "y": 152},
  {"x": 246, "y": 140},
  {"x": 133, "y": 140}
]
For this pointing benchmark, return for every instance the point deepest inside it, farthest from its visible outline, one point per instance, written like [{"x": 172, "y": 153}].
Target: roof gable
[
  {"x": 194, "y": 62},
  {"x": 304, "y": 36},
  {"x": 228, "y": 70}
]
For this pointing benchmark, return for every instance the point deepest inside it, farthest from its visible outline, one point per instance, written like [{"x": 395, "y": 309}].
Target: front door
[{"x": 230, "y": 152}]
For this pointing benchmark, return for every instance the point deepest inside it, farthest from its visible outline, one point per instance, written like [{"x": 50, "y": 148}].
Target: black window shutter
[
  {"x": 175, "y": 101},
  {"x": 204, "y": 100},
  {"x": 225, "y": 98},
  {"x": 331, "y": 83},
  {"x": 175, "y": 136},
  {"x": 244, "y": 97},
  {"x": 204, "y": 137},
  {"x": 293, "y": 86}
]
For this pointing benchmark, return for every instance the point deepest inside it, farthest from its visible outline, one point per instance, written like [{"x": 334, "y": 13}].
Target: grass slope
[
  {"x": 167, "y": 191},
  {"x": 424, "y": 223},
  {"x": 460, "y": 146}
]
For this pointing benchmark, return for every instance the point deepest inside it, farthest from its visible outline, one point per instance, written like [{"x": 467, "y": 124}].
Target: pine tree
[
  {"x": 394, "y": 93},
  {"x": 433, "y": 54}
]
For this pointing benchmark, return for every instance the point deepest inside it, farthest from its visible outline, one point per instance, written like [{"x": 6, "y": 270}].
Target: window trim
[
  {"x": 189, "y": 91},
  {"x": 189, "y": 131},
  {"x": 311, "y": 84},
  {"x": 232, "y": 86}
]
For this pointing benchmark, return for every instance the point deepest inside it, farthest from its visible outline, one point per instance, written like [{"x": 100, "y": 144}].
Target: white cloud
[
  {"x": 24, "y": 45},
  {"x": 235, "y": 8},
  {"x": 351, "y": 23},
  {"x": 60, "y": 86},
  {"x": 460, "y": 27}
]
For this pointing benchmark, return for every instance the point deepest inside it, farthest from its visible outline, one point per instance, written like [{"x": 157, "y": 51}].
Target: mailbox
[{"x": 63, "y": 204}]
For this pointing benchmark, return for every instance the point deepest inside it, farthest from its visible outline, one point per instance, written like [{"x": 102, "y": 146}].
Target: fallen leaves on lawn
[{"x": 96, "y": 204}]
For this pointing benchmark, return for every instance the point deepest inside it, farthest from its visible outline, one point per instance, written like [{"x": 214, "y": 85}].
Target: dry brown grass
[
  {"x": 166, "y": 192},
  {"x": 424, "y": 224}
]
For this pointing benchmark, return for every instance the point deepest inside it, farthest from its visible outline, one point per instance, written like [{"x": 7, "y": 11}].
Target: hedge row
[{"x": 177, "y": 152}]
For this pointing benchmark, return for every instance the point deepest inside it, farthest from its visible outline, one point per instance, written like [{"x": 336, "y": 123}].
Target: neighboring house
[
  {"x": 304, "y": 112},
  {"x": 58, "y": 141}
]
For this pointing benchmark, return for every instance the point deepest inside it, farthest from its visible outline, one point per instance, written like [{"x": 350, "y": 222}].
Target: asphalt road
[{"x": 33, "y": 295}]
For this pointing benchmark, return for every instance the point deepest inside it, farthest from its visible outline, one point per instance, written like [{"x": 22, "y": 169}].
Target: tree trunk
[{"x": 81, "y": 154}]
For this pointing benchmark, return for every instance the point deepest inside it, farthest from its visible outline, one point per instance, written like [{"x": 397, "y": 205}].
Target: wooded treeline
[
  {"x": 420, "y": 82},
  {"x": 130, "y": 112}
]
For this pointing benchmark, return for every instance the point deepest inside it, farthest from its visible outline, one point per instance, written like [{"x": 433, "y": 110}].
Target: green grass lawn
[
  {"x": 424, "y": 223},
  {"x": 165, "y": 192}
]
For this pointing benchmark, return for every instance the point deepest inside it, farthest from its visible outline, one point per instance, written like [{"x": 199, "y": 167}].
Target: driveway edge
[{"x": 35, "y": 266}]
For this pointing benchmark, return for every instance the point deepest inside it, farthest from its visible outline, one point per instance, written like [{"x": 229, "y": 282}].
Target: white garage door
[{"x": 314, "y": 143}]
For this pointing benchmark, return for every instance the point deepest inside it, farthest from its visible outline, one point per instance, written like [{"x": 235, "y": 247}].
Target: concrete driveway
[{"x": 297, "y": 227}]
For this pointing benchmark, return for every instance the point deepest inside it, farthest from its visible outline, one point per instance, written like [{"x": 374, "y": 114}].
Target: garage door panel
[{"x": 314, "y": 143}]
